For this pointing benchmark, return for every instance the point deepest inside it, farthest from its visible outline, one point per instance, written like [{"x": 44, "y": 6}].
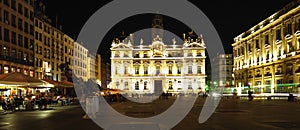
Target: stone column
[{"x": 273, "y": 81}]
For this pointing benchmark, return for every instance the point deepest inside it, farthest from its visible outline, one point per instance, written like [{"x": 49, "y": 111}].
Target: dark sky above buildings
[{"x": 230, "y": 17}]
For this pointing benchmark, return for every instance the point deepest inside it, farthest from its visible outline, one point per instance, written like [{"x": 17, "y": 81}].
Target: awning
[{"x": 20, "y": 79}]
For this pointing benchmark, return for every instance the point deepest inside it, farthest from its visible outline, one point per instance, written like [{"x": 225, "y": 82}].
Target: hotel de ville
[
  {"x": 157, "y": 66},
  {"x": 267, "y": 56}
]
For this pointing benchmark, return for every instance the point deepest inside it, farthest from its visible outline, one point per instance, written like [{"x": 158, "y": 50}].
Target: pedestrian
[
  {"x": 290, "y": 97},
  {"x": 250, "y": 97}
]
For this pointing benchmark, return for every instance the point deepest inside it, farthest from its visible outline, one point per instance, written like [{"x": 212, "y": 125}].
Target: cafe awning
[{"x": 20, "y": 79}]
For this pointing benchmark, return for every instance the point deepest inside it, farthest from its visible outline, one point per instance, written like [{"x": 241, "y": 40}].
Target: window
[
  {"x": 199, "y": 53},
  {"x": 278, "y": 34},
  {"x": 279, "y": 81},
  {"x": 179, "y": 70},
  {"x": 157, "y": 70},
  {"x": 267, "y": 39},
  {"x": 26, "y": 41},
  {"x": 31, "y": 30},
  {"x": 13, "y": 4},
  {"x": 20, "y": 24},
  {"x": 117, "y": 84},
  {"x": 31, "y": 59},
  {"x": 6, "y": 69},
  {"x": 19, "y": 54},
  {"x": 36, "y": 35},
  {"x": 6, "y": 2},
  {"x": 289, "y": 70},
  {"x": 25, "y": 57},
  {"x": 13, "y": 53},
  {"x": 170, "y": 85},
  {"x": 117, "y": 68},
  {"x": 40, "y": 37},
  {"x": 13, "y": 20},
  {"x": 279, "y": 51},
  {"x": 36, "y": 23},
  {"x": 13, "y": 37},
  {"x": 199, "y": 69},
  {"x": 190, "y": 54},
  {"x": 26, "y": 27},
  {"x": 6, "y": 35},
  {"x": 6, "y": 51},
  {"x": 290, "y": 47},
  {"x": 145, "y": 69},
  {"x": 137, "y": 69},
  {"x": 190, "y": 85},
  {"x": 137, "y": 85},
  {"x": 190, "y": 71},
  {"x": 31, "y": 3},
  {"x": 145, "y": 85},
  {"x": 249, "y": 48},
  {"x": 31, "y": 16},
  {"x": 257, "y": 44},
  {"x": 6, "y": 17},
  {"x": 20, "y": 8},
  {"x": 126, "y": 85},
  {"x": 289, "y": 28},
  {"x": 26, "y": 13},
  {"x": 170, "y": 69},
  {"x": 20, "y": 40}
]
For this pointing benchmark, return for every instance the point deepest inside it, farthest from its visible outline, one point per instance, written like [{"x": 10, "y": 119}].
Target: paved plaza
[{"x": 239, "y": 114}]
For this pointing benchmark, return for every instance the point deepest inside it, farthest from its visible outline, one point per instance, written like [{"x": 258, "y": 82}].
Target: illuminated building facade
[
  {"x": 98, "y": 67},
  {"x": 267, "y": 57},
  {"x": 52, "y": 47},
  {"x": 158, "y": 66},
  {"x": 91, "y": 64},
  {"x": 224, "y": 64},
  {"x": 105, "y": 74},
  {"x": 17, "y": 36},
  {"x": 80, "y": 61}
]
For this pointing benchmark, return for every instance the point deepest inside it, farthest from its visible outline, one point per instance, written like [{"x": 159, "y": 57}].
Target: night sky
[{"x": 230, "y": 17}]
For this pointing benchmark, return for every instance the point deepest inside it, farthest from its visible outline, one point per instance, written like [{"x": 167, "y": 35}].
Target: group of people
[
  {"x": 9, "y": 102},
  {"x": 42, "y": 100}
]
